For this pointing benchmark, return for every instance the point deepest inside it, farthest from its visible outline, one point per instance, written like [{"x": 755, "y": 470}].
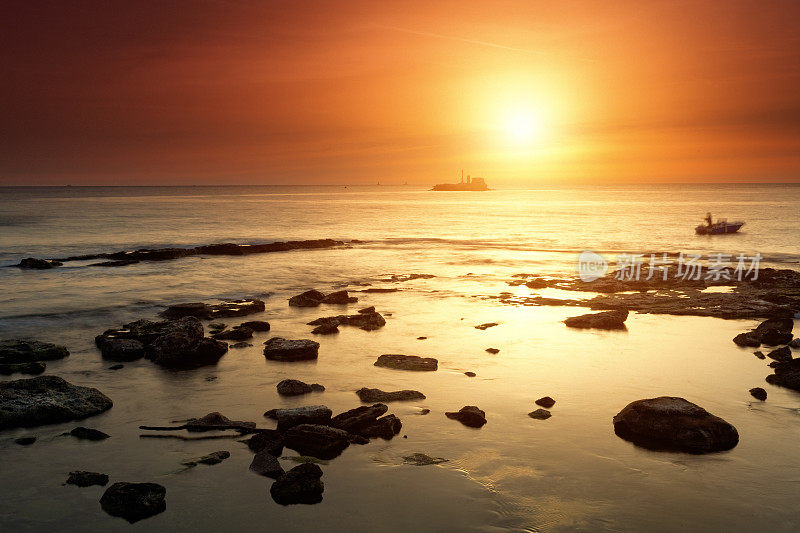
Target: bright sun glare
[{"x": 523, "y": 127}]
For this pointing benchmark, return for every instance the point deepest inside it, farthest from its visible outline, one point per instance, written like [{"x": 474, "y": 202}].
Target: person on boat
[{"x": 708, "y": 219}]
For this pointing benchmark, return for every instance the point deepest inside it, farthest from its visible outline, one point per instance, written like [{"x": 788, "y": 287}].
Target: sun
[{"x": 523, "y": 126}]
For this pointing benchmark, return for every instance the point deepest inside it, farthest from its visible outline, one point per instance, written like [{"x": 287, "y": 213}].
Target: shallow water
[{"x": 515, "y": 474}]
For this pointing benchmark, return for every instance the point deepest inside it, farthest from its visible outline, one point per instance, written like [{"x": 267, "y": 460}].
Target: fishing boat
[
  {"x": 471, "y": 184},
  {"x": 721, "y": 226}
]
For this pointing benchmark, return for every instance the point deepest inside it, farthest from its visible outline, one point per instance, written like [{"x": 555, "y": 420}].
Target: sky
[{"x": 298, "y": 92}]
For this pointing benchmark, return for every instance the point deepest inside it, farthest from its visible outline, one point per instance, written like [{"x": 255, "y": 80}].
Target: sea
[{"x": 567, "y": 473}]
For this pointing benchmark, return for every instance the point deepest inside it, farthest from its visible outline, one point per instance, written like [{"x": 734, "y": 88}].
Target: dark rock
[
  {"x": 216, "y": 420},
  {"x": 758, "y": 393},
  {"x": 670, "y": 423},
  {"x": 32, "y": 369},
  {"x": 328, "y": 328},
  {"x": 38, "y": 264},
  {"x": 122, "y": 349},
  {"x": 781, "y": 325},
  {"x": 178, "y": 351},
  {"x": 240, "y": 333},
  {"x": 25, "y": 441},
  {"x": 81, "y": 432},
  {"x": 795, "y": 343},
  {"x": 147, "y": 331},
  {"x": 280, "y": 349},
  {"x": 256, "y": 325},
  {"x": 469, "y": 415},
  {"x": 320, "y": 441},
  {"x": 747, "y": 339},
  {"x": 120, "y": 263},
  {"x": 386, "y": 427},
  {"x": 366, "y": 310},
  {"x": 421, "y": 338},
  {"x": 16, "y": 351},
  {"x": 773, "y": 337},
  {"x": 424, "y": 411},
  {"x": 377, "y": 395},
  {"x": 266, "y": 464},
  {"x": 294, "y": 387},
  {"x": 540, "y": 414},
  {"x": 195, "y": 309},
  {"x": 365, "y": 321},
  {"x": 470, "y": 374},
  {"x": 47, "y": 400},
  {"x": 134, "y": 501},
  {"x": 760, "y": 355},
  {"x": 339, "y": 297},
  {"x": 605, "y": 320},
  {"x": 310, "y": 298},
  {"x": 786, "y": 374},
  {"x": 213, "y": 458},
  {"x": 312, "y": 414},
  {"x": 546, "y": 401},
  {"x": 407, "y": 362},
  {"x": 116, "y": 367},
  {"x": 354, "y": 420},
  {"x": 486, "y": 326},
  {"x": 247, "y": 306},
  {"x": 82, "y": 478},
  {"x": 270, "y": 441},
  {"x": 301, "y": 484},
  {"x": 781, "y": 354},
  {"x": 420, "y": 459},
  {"x": 238, "y": 345},
  {"x": 493, "y": 350}
]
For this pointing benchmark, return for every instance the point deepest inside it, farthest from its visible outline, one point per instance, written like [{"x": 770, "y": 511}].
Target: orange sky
[{"x": 302, "y": 92}]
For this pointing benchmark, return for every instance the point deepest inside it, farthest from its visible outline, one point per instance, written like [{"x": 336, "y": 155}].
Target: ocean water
[{"x": 515, "y": 474}]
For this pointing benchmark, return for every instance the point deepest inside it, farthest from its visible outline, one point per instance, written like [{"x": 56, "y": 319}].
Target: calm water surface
[{"x": 515, "y": 474}]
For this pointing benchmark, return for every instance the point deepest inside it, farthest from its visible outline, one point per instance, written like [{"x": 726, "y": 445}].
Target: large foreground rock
[
  {"x": 280, "y": 349},
  {"x": 47, "y": 400},
  {"x": 671, "y": 423},
  {"x": 407, "y": 362},
  {"x": 301, "y": 484},
  {"x": 376, "y": 395},
  {"x": 134, "y": 501},
  {"x": 605, "y": 320},
  {"x": 15, "y": 351}
]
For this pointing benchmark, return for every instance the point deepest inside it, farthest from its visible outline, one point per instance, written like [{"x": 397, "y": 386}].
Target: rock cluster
[
  {"x": 314, "y": 298},
  {"x": 368, "y": 321}
]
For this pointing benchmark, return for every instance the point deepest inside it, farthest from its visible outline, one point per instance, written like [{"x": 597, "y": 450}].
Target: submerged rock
[
  {"x": 469, "y": 415},
  {"x": 82, "y": 478},
  {"x": 758, "y": 393},
  {"x": 407, "y": 362},
  {"x": 266, "y": 464},
  {"x": 25, "y": 441},
  {"x": 216, "y": 420},
  {"x": 366, "y": 321},
  {"x": 301, "y": 484},
  {"x": 195, "y": 309},
  {"x": 671, "y": 423},
  {"x": 16, "y": 351},
  {"x": 420, "y": 459},
  {"x": 239, "y": 345},
  {"x": 280, "y": 349},
  {"x": 83, "y": 433},
  {"x": 376, "y": 395},
  {"x": 540, "y": 414},
  {"x": 605, "y": 320},
  {"x": 47, "y": 400},
  {"x": 546, "y": 401},
  {"x": 311, "y": 414},
  {"x": 122, "y": 349},
  {"x": 134, "y": 501},
  {"x": 316, "y": 440},
  {"x": 295, "y": 387},
  {"x": 32, "y": 369},
  {"x": 33, "y": 263},
  {"x": 213, "y": 458}
]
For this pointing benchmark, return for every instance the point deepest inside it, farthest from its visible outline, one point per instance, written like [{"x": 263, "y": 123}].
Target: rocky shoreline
[{"x": 179, "y": 341}]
